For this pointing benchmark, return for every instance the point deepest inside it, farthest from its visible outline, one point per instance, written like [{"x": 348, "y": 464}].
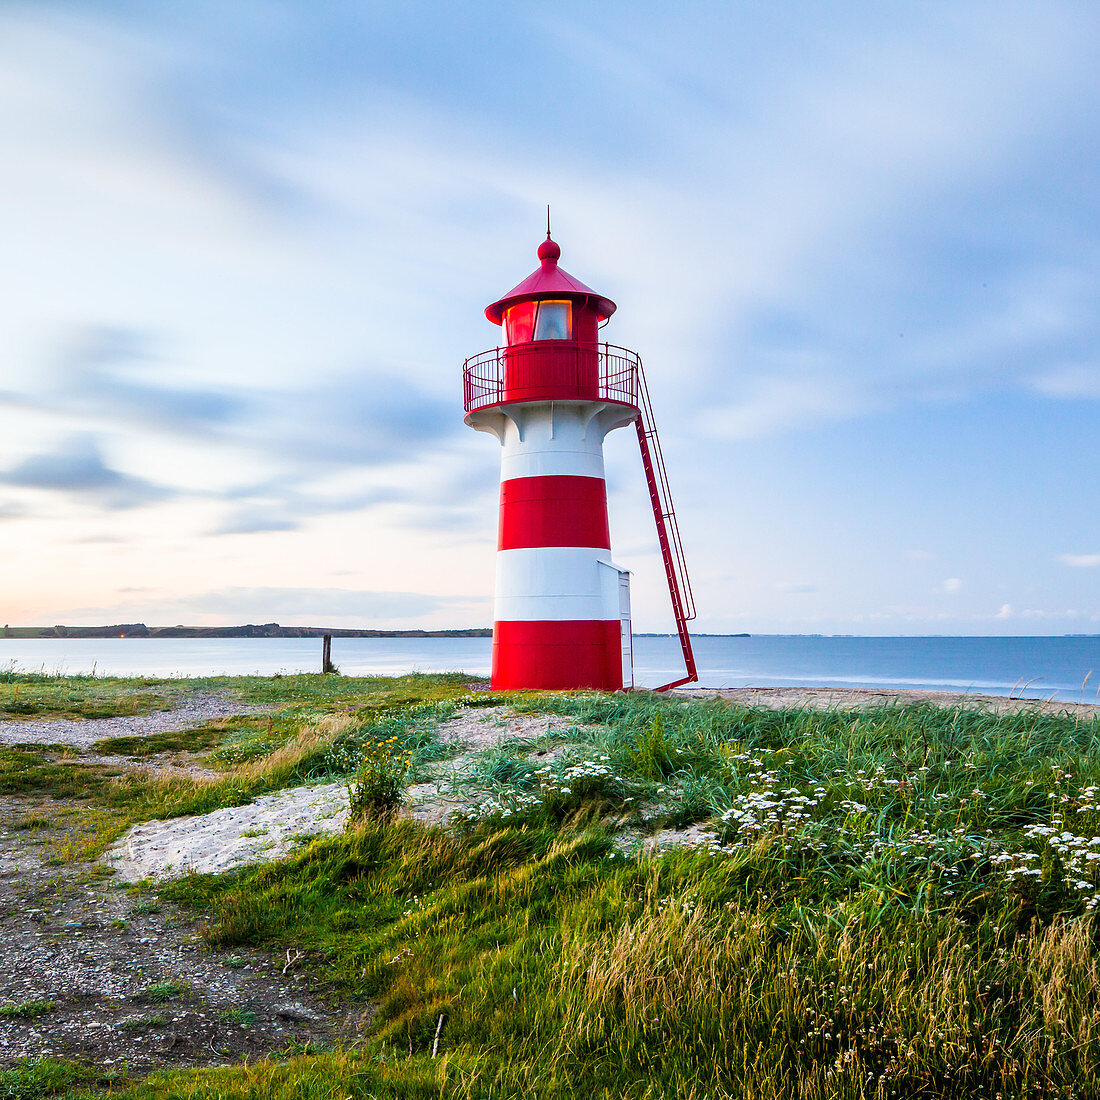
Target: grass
[
  {"x": 26, "y": 1010},
  {"x": 55, "y": 695},
  {"x": 899, "y": 902},
  {"x": 141, "y": 1023},
  {"x": 316, "y": 732},
  {"x": 163, "y": 992},
  {"x": 154, "y": 744},
  {"x": 237, "y": 1016},
  {"x": 36, "y": 1078}
]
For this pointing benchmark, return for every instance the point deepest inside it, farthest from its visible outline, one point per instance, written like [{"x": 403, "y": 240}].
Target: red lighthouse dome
[{"x": 549, "y": 281}]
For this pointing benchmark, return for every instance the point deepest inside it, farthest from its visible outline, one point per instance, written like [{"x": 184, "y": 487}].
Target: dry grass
[
  {"x": 311, "y": 741},
  {"x": 836, "y": 1009}
]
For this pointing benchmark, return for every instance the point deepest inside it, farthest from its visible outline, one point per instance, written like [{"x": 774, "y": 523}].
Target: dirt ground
[
  {"x": 96, "y": 972},
  {"x": 126, "y": 978}
]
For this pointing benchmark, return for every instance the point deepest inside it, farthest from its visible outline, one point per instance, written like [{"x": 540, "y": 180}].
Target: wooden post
[{"x": 326, "y": 653}]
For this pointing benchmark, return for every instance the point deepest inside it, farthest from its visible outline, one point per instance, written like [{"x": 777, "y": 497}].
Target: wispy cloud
[
  {"x": 1070, "y": 382},
  {"x": 1080, "y": 561},
  {"x": 76, "y": 467}
]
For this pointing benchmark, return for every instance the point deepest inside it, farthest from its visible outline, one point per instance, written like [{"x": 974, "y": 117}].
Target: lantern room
[{"x": 551, "y": 328}]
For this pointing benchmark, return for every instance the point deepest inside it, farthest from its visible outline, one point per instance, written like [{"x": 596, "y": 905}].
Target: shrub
[{"x": 379, "y": 780}]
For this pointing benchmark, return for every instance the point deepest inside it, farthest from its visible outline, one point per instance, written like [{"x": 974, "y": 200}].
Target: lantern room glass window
[
  {"x": 537, "y": 321},
  {"x": 552, "y": 322},
  {"x": 519, "y": 323}
]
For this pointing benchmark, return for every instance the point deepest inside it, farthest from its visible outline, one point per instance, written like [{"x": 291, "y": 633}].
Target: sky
[{"x": 248, "y": 246}]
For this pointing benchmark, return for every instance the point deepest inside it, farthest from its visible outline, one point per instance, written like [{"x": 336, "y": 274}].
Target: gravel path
[
  {"x": 190, "y": 711},
  {"x": 845, "y": 698}
]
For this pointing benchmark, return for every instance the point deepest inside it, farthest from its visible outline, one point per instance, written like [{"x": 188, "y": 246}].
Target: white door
[{"x": 624, "y": 623}]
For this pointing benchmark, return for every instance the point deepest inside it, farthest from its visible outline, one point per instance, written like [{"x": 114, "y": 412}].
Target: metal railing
[{"x": 577, "y": 368}]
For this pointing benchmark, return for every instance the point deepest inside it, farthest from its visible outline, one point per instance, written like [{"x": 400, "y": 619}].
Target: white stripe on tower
[{"x": 556, "y": 583}]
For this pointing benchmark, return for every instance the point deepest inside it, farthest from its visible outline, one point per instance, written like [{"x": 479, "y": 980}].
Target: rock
[
  {"x": 217, "y": 842},
  {"x": 295, "y": 1012}
]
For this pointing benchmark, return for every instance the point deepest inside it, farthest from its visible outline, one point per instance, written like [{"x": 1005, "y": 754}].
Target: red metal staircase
[{"x": 668, "y": 531}]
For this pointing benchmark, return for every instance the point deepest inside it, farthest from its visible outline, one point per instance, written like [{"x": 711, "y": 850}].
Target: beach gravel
[{"x": 187, "y": 712}]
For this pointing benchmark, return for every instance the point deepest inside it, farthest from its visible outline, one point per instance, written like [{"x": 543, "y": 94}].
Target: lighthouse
[{"x": 550, "y": 394}]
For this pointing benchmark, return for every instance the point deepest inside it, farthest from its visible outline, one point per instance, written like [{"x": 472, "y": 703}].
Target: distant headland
[{"x": 252, "y": 630}]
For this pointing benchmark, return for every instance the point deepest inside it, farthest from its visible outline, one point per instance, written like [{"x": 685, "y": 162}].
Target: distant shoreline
[{"x": 263, "y": 630}]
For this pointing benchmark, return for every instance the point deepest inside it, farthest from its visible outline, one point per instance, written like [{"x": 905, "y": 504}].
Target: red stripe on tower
[
  {"x": 557, "y": 656},
  {"x": 553, "y": 511}
]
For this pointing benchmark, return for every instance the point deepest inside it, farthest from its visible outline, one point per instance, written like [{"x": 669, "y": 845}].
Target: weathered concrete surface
[{"x": 269, "y": 827}]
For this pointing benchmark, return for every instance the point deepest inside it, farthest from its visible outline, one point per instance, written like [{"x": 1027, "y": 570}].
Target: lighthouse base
[{"x": 558, "y": 656}]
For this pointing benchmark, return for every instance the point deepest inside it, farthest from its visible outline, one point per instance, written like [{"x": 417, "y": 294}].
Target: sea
[{"x": 1062, "y": 668}]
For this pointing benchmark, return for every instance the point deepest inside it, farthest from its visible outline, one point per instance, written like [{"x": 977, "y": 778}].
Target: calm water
[{"x": 1049, "y": 667}]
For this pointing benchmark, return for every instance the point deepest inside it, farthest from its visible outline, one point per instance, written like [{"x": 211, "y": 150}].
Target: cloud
[
  {"x": 1076, "y": 381},
  {"x": 366, "y": 416},
  {"x": 77, "y": 467},
  {"x": 794, "y": 586},
  {"x": 1080, "y": 561},
  {"x": 1005, "y": 612},
  {"x": 249, "y": 521},
  {"x": 335, "y": 424},
  {"x": 951, "y": 586},
  {"x": 91, "y": 381},
  {"x": 361, "y": 418},
  {"x": 767, "y": 405},
  {"x": 281, "y": 504},
  {"x": 11, "y": 511}
]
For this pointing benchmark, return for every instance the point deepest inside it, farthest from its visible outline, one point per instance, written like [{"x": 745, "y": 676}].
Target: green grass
[
  {"x": 193, "y": 741},
  {"x": 141, "y": 1023},
  {"x": 896, "y": 902},
  {"x": 54, "y": 695},
  {"x": 315, "y": 733},
  {"x": 39, "y": 1078},
  {"x": 237, "y": 1016},
  {"x": 40, "y": 694},
  {"x": 162, "y": 992},
  {"x": 26, "y": 1010},
  {"x": 868, "y": 944}
]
